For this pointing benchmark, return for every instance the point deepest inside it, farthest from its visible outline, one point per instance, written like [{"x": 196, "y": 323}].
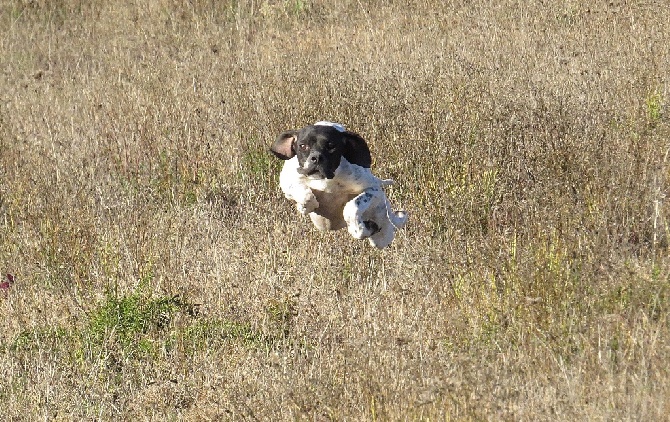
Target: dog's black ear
[
  {"x": 284, "y": 145},
  {"x": 356, "y": 150}
]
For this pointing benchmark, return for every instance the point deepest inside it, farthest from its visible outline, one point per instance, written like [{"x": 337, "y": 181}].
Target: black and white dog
[{"x": 327, "y": 173}]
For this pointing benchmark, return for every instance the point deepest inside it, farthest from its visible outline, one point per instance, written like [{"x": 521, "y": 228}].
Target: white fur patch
[{"x": 340, "y": 127}]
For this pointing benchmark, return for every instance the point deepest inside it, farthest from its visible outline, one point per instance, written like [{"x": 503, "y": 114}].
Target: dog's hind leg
[
  {"x": 386, "y": 233},
  {"x": 354, "y": 210}
]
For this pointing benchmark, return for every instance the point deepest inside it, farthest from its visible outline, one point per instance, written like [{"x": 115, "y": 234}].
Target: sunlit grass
[{"x": 158, "y": 271}]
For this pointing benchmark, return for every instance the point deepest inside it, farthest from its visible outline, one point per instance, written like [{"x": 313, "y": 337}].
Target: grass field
[{"x": 153, "y": 270}]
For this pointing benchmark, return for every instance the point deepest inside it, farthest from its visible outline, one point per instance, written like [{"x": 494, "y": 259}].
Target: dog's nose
[{"x": 315, "y": 158}]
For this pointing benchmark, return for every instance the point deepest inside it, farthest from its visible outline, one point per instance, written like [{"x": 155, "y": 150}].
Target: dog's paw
[
  {"x": 305, "y": 209},
  {"x": 308, "y": 206},
  {"x": 380, "y": 242}
]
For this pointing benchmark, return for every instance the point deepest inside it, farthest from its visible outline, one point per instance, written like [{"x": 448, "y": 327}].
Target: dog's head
[{"x": 320, "y": 148}]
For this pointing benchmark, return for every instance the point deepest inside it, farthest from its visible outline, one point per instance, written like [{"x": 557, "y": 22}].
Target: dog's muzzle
[{"x": 314, "y": 164}]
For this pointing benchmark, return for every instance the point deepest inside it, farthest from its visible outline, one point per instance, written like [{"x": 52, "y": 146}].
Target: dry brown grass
[{"x": 160, "y": 274}]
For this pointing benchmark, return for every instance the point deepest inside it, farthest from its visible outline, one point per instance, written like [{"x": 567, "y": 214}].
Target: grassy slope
[{"x": 160, "y": 272}]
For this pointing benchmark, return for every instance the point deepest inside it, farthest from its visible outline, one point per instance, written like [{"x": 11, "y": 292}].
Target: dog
[{"x": 327, "y": 173}]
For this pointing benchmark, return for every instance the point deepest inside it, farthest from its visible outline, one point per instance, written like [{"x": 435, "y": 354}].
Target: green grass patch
[
  {"x": 134, "y": 325},
  {"x": 654, "y": 105},
  {"x": 259, "y": 167}
]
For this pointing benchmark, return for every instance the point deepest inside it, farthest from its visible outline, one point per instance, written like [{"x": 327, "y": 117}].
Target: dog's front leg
[
  {"x": 304, "y": 198},
  {"x": 354, "y": 209},
  {"x": 295, "y": 189}
]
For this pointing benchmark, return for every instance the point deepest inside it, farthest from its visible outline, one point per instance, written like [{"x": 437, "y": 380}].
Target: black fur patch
[{"x": 372, "y": 226}]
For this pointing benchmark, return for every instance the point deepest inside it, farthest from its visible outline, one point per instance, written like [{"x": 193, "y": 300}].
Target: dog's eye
[{"x": 303, "y": 147}]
